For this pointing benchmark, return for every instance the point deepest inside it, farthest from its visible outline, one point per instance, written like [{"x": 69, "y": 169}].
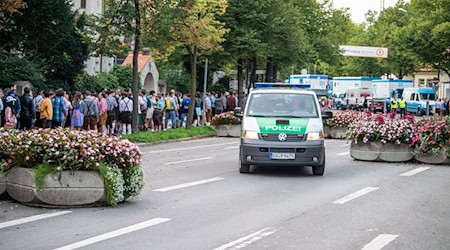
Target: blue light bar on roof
[{"x": 260, "y": 85}]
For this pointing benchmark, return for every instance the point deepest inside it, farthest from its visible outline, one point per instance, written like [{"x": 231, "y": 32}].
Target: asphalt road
[{"x": 195, "y": 198}]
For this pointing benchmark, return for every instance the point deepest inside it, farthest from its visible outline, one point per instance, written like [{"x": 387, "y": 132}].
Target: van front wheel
[
  {"x": 243, "y": 168},
  {"x": 319, "y": 170}
]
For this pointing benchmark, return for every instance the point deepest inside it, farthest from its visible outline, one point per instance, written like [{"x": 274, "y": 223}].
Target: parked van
[
  {"x": 355, "y": 97},
  {"x": 417, "y": 98}
]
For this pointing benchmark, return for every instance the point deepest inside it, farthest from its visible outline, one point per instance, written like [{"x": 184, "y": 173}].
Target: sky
[{"x": 360, "y": 7}]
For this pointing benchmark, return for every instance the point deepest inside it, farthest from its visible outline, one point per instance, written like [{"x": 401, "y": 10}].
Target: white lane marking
[
  {"x": 199, "y": 140},
  {"x": 189, "y": 148},
  {"x": 190, "y": 184},
  {"x": 380, "y": 241},
  {"x": 415, "y": 171},
  {"x": 232, "y": 147},
  {"x": 341, "y": 154},
  {"x": 191, "y": 160},
  {"x": 31, "y": 219},
  {"x": 115, "y": 233},
  {"x": 355, "y": 195},
  {"x": 249, "y": 239}
]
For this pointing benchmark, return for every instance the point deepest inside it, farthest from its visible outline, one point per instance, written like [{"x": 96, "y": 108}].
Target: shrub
[
  {"x": 134, "y": 180},
  {"x": 383, "y": 129},
  {"x": 226, "y": 118},
  {"x": 344, "y": 119},
  {"x": 432, "y": 135},
  {"x": 114, "y": 183}
]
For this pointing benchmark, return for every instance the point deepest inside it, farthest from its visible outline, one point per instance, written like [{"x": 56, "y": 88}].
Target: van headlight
[
  {"x": 250, "y": 135},
  {"x": 315, "y": 136}
]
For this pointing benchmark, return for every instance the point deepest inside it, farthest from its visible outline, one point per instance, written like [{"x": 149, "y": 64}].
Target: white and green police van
[{"x": 282, "y": 126}]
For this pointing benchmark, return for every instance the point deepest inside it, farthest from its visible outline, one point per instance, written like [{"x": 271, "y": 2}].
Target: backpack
[{"x": 168, "y": 107}]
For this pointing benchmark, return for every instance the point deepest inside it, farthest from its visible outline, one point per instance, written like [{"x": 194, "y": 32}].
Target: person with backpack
[
  {"x": 46, "y": 109},
  {"x": 170, "y": 111},
  {"x": 126, "y": 111},
  {"x": 59, "y": 108},
  {"x": 10, "y": 117},
  {"x": 184, "y": 108},
  {"x": 142, "y": 109},
  {"x": 159, "y": 112},
  {"x": 150, "y": 99},
  {"x": 219, "y": 103},
  {"x": 113, "y": 106},
  {"x": 102, "y": 112},
  {"x": 37, "y": 101},
  {"x": 89, "y": 108}
]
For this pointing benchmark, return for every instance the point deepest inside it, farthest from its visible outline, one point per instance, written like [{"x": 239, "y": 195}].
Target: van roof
[
  {"x": 420, "y": 90},
  {"x": 282, "y": 90}
]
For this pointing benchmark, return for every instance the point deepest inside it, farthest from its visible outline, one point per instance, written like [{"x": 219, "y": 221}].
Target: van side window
[
  {"x": 413, "y": 96},
  {"x": 417, "y": 97}
]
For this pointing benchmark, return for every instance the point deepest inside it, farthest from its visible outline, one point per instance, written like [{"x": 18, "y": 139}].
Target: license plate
[{"x": 282, "y": 156}]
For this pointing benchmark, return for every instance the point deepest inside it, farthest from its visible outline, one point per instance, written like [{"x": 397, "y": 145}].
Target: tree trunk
[
  {"x": 193, "y": 59},
  {"x": 135, "y": 86},
  {"x": 240, "y": 82},
  {"x": 275, "y": 72},
  {"x": 101, "y": 64},
  {"x": 269, "y": 70},
  {"x": 253, "y": 75}
]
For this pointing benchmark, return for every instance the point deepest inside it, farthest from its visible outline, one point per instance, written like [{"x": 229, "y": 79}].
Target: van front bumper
[{"x": 307, "y": 153}]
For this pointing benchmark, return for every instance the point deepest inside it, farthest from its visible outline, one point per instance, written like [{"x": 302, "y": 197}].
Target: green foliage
[
  {"x": 134, "y": 180},
  {"x": 42, "y": 170},
  {"x": 124, "y": 75},
  {"x": 84, "y": 82},
  {"x": 47, "y": 32},
  {"x": 14, "y": 68},
  {"x": 172, "y": 134},
  {"x": 114, "y": 183},
  {"x": 106, "y": 80}
]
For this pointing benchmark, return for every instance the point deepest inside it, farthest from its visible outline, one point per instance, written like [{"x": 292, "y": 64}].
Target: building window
[
  {"x": 421, "y": 82},
  {"x": 430, "y": 82},
  {"x": 83, "y": 4}
]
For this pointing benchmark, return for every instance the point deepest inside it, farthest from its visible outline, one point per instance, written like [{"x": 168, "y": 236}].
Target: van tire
[
  {"x": 319, "y": 170},
  {"x": 421, "y": 112},
  {"x": 243, "y": 168}
]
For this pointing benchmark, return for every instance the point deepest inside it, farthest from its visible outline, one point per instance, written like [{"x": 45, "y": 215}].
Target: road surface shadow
[{"x": 281, "y": 171}]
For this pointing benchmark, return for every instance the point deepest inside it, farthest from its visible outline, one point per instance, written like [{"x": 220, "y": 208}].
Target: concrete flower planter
[
  {"x": 228, "y": 130},
  {"x": 72, "y": 189},
  {"x": 377, "y": 151},
  {"x": 336, "y": 132},
  {"x": 3, "y": 193},
  {"x": 439, "y": 159}
]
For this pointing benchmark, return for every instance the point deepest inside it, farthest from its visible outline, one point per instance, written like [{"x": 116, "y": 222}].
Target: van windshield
[
  {"x": 282, "y": 105},
  {"x": 429, "y": 97}
]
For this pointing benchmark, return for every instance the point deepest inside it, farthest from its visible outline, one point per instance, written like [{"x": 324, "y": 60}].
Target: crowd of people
[{"x": 109, "y": 112}]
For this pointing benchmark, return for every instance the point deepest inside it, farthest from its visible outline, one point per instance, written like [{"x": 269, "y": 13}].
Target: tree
[
  {"x": 192, "y": 24},
  {"x": 429, "y": 33},
  {"x": 46, "y": 32},
  {"x": 14, "y": 68},
  {"x": 7, "y": 8}
]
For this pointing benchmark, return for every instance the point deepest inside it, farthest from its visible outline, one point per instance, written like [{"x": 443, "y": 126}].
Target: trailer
[
  {"x": 341, "y": 84},
  {"x": 390, "y": 88}
]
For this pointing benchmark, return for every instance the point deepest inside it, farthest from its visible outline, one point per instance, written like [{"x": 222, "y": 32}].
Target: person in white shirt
[{"x": 126, "y": 111}]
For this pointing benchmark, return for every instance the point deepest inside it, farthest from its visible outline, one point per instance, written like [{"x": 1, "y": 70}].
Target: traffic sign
[{"x": 435, "y": 81}]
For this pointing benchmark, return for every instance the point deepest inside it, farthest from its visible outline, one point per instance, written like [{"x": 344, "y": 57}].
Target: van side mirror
[
  {"x": 327, "y": 114},
  {"x": 238, "y": 112}
]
